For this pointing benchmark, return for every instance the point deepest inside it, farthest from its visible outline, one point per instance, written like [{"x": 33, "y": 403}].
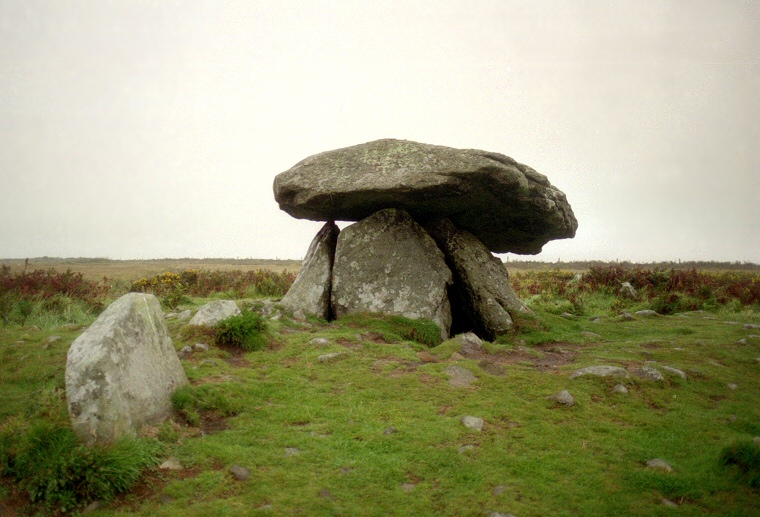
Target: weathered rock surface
[
  {"x": 387, "y": 263},
  {"x": 310, "y": 291},
  {"x": 482, "y": 295},
  {"x": 471, "y": 345},
  {"x": 563, "y": 397},
  {"x": 508, "y": 206},
  {"x": 214, "y": 312},
  {"x": 600, "y": 371},
  {"x": 473, "y": 422},
  {"x": 121, "y": 371},
  {"x": 459, "y": 377},
  {"x": 649, "y": 373}
]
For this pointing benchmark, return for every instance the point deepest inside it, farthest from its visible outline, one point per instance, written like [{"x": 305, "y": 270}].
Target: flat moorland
[{"x": 366, "y": 415}]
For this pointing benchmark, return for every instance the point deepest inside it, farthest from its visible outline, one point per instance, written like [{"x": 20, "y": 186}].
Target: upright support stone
[
  {"x": 311, "y": 290},
  {"x": 122, "y": 371},
  {"x": 482, "y": 294},
  {"x": 387, "y": 263}
]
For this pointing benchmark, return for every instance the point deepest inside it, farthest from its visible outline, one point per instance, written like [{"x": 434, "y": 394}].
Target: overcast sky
[{"x": 146, "y": 129}]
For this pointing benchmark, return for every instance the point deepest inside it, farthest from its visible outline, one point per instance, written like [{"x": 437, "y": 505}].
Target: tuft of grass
[
  {"x": 247, "y": 331},
  {"x": 48, "y": 462},
  {"x": 744, "y": 456}
]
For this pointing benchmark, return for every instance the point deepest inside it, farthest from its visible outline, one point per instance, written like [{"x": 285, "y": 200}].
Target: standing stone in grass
[
  {"x": 214, "y": 312},
  {"x": 311, "y": 290},
  {"x": 122, "y": 371},
  {"x": 628, "y": 291},
  {"x": 482, "y": 296},
  {"x": 388, "y": 264}
]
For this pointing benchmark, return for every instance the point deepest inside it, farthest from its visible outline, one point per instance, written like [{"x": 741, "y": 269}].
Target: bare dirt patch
[{"x": 543, "y": 357}]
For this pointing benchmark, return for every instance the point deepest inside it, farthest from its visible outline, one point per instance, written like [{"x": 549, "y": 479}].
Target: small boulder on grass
[{"x": 214, "y": 312}]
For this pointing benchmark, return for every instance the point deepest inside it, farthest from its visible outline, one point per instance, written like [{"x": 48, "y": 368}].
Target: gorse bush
[
  {"x": 247, "y": 331},
  {"x": 238, "y": 284},
  {"x": 48, "y": 462}
]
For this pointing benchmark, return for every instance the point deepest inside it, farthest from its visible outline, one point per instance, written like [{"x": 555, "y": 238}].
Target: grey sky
[{"x": 140, "y": 129}]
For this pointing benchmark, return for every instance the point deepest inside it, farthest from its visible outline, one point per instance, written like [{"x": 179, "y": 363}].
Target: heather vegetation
[{"x": 359, "y": 416}]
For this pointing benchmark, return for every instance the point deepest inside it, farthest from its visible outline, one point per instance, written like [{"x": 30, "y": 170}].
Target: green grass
[{"x": 533, "y": 457}]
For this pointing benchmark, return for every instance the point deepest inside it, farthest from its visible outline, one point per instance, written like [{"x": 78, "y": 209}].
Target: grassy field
[{"x": 378, "y": 430}]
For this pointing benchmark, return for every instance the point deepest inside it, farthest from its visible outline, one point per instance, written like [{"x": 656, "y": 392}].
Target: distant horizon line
[{"x": 252, "y": 259}]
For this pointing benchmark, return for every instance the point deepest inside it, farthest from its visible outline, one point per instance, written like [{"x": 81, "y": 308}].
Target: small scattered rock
[
  {"x": 731, "y": 386},
  {"x": 471, "y": 344},
  {"x": 185, "y": 352},
  {"x": 171, "y": 464},
  {"x": 668, "y": 502},
  {"x": 330, "y": 358},
  {"x": 563, "y": 397},
  {"x": 292, "y": 451},
  {"x": 473, "y": 422},
  {"x": 600, "y": 371},
  {"x": 756, "y": 439},
  {"x": 209, "y": 362},
  {"x": 567, "y": 315},
  {"x": 627, "y": 316},
  {"x": 169, "y": 315},
  {"x": 646, "y": 313},
  {"x": 595, "y": 319},
  {"x": 649, "y": 373},
  {"x": 742, "y": 341},
  {"x": 592, "y": 335},
  {"x": 408, "y": 487},
  {"x": 459, "y": 377},
  {"x": 202, "y": 347},
  {"x": 499, "y": 489},
  {"x": 499, "y": 514},
  {"x": 390, "y": 430},
  {"x": 751, "y": 326},
  {"x": 52, "y": 339},
  {"x": 753, "y": 337},
  {"x": 658, "y": 463},
  {"x": 456, "y": 356},
  {"x": 732, "y": 323},
  {"x": 319, "y": 341},
  {"x": 240, "y": 473},
  {"x": 466, "y": 448},
  {"x": 675, "y": 371},
  {"x": 619, "y": 388},
  {"x": 184, "y": 314}
]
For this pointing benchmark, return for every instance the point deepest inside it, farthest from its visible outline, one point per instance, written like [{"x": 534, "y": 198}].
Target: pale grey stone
[
  {"x": 171, "y": 464},
  {"x": 567, "y": 315},
  {"x": 646, "y": 313},
  {"x": 619, "y": 388},
  {"x": 388, "y": 264},
  {"x": 563, "y": 397},
  {"x": 310, "y": 292},
  {"x": 319, "y": 341},
  {"x": 658, "y": 463},
  {"x": 649, "y": 373},
  {"x": 668, "y": 502},
  {"x": 675, "y": 371},
  {"x": 408, "y": 487},
  {"x": 482, "y": 296},
  {"x": 466, "y": 448},
  {"x": 473, "y": 422},
  {"x": 390, "y": 430},
  {"x": 330, "y": 358},
  {"x": 731, "y": 386},
  {"x": 628, "y": 291},
  {"x": 471, "y": 345},
  {"x": 459, "y": 377},
  {"x": 214, "y": 312},
  {"x": 122, "y": 371},
  {"x": 592, "y": 335},
  {"x": 201, "y": 347},
  {"x": 240, "y": 473},
  {"x": 751, "y": 326},
  {"x": 600, "y": 371},
  {"x": 742, "y": 341},
  {"x": 53, "y": 339},
  {"x": 185, "y": 352},
  {"x": 184, "y": 314},
  {"x": 292, "y": 451},
  {"x": 508, "y": 206}
]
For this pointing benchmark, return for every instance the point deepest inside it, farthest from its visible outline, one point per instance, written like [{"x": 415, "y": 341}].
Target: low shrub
[{"x": 247, "y": 331}]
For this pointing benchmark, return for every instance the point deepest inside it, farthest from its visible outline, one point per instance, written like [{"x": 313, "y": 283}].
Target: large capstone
[
  {"x": 311, "y": 290},
  {"x": 122, "y": 371},
  {"x": 387, "y": 263},
  {"x": 508, "y": 206},
  {"x": 482, "y": 297}
]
